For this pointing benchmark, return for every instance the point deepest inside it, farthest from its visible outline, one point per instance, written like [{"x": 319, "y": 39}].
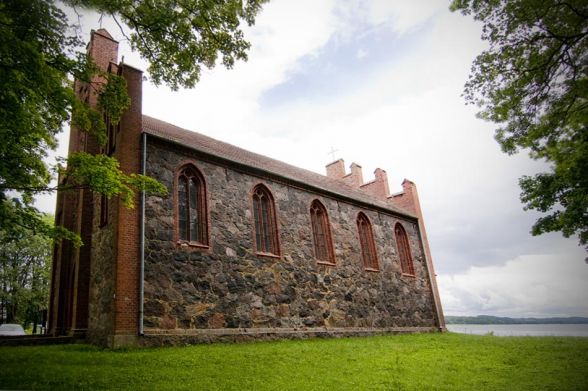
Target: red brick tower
[{"x": 94, "y": 289}]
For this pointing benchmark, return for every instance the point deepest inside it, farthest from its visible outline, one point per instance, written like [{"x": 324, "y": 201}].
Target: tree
[
  {"x": 40, "y": 54},
  {"x": 533, "y": 83},
  {"x": 25, "y": 261}
]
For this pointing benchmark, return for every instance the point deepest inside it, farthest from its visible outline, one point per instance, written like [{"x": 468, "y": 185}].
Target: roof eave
[{"x": 266, "y": 173}]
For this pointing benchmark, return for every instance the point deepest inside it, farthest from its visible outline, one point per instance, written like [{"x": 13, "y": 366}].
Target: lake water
[{"x": 534, "y": 330}]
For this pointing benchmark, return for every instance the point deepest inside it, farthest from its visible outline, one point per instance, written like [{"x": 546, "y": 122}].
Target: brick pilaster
[{"x": 128, "y": 233}]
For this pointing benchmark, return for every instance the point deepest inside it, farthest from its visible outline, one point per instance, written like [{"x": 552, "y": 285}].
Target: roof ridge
[
  {"x": 235, "y": 154},
  {"x": 242, "y": 149}
]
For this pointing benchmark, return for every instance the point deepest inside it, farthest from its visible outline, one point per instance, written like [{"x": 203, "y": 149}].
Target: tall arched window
[
  {"x": 321, "y": 233},
  {"x": 192, "y": 210},
  {"x": 264, "y": 215},
  {"x": 366, "y": 240},
  {"x": 403, "y": 250}
]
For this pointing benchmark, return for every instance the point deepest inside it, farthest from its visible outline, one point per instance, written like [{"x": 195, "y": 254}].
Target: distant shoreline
[{"x": 487, "y": 319}]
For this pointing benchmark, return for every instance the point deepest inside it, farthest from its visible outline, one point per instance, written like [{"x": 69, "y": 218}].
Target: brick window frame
[
  {"x": 191, "y": 207},
  {"x": 404, "y": 253},
  {"x": 265, "y": 228},
  {"x": 369, "y": 255},
  {"x": 321, "y": 234}
]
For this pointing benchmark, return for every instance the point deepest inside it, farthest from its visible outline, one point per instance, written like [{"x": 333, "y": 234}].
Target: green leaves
[
  {"x": 113, "y": 98},
  {"x": 178, "y": 37},
  {"x": 88, "y": 120},
  {"x": 33, "y": 100},
  {"x": 25, "y": 259},
  {"x": 533, "y": 83},
  {"x": 18, "y": 218},
  {"x": 563, "y": 191},
  {"x": 40, "y": 54},
  {"x": 102, "y": 174}
]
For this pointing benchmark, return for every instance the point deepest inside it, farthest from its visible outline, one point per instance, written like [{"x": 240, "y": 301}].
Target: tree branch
[{"x": 43, "y": 189}]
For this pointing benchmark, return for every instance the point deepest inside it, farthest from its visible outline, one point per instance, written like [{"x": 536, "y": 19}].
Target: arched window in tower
[
  {"x": 321, "y": 233},
  {"x": 406, "y": 263},
  {"x": 366, "y": 241},
  {"x": 192, "y": 210},
  {"x": 264, "y": 215}
]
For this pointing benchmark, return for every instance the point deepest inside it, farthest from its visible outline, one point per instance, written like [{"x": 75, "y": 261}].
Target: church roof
[{"x": 264, "y": 164}]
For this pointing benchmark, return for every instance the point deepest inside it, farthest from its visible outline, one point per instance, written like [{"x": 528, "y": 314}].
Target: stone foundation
[{"x": 188, "y": 337}]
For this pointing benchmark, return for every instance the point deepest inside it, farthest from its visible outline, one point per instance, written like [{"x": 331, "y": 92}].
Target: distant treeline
[{"x": 487, "y": 319}]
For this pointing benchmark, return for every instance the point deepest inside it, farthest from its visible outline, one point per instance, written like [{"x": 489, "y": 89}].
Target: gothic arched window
[
  {"x": 321, "y": 233},
  {"x": 264, "y": 215},
  {"x": 403, "y": 250},
  {"x": 366, "y": 241},
  {"x": 192, "y": 210}
]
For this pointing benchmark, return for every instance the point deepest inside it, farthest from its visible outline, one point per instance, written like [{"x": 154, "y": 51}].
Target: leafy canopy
[
  {"x": 533, "y": 83},
  {"x": 25, "y": 261},
  {"x": 40, "y": 55}
]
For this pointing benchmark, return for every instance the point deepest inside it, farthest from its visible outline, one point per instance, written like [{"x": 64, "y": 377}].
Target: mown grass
[{"x": 405, "y": 362}]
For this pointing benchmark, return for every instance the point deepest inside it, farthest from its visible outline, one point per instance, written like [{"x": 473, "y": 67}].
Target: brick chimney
[
  {"x": 336, "y": 169},
  {"x": 406, "y": 199},
  {"x": 379, "y": 186},
  {"x": 355, "y": 177}
]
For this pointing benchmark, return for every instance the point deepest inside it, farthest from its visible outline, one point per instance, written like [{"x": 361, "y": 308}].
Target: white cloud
[
  {"x": 529, "y": 285},
  {"x": 403, "y": 16},
  {"x": 226, "y": 100}
]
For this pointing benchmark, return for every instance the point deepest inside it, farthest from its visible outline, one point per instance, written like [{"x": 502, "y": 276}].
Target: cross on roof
[{"x": 332, "y": 153}]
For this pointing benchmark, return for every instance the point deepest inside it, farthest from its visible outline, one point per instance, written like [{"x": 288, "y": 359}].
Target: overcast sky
[{"x": 380, "y": 82}]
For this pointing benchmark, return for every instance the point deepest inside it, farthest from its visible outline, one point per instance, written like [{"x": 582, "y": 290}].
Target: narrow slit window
[
  {"x": 112, "y": 131},
  {"x": 192, "y": 211},
  {"x": 321, "y": 233},
  {"x": 264, "y": 215},
  {"x": 366, "y": 239},
  {"x": 406, "y": 263},
  {"x": 103, "y": 210}
]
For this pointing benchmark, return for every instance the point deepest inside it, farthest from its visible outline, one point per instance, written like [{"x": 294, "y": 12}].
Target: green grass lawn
[{"x": 404, "y": 362}]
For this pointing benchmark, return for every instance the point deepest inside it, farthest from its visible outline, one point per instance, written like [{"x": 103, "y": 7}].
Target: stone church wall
[
  {"x": 228, "y": 286},
  {"x": 101, "y": 308}
]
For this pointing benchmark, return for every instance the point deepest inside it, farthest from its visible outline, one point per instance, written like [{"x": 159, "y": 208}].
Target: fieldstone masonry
[
  {"x": 102, "y": 272},
  {"x": 229, "y": 286}
]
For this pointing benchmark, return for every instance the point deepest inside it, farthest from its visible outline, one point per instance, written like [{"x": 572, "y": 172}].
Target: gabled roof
[{"x": 264, "y": 164}]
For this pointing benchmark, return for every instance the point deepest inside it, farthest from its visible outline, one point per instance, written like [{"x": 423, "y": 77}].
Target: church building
[{"x": 242, "y": 247}]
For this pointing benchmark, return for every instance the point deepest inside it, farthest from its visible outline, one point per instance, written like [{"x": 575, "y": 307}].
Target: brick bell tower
[{"x": 94, "y": 288}]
